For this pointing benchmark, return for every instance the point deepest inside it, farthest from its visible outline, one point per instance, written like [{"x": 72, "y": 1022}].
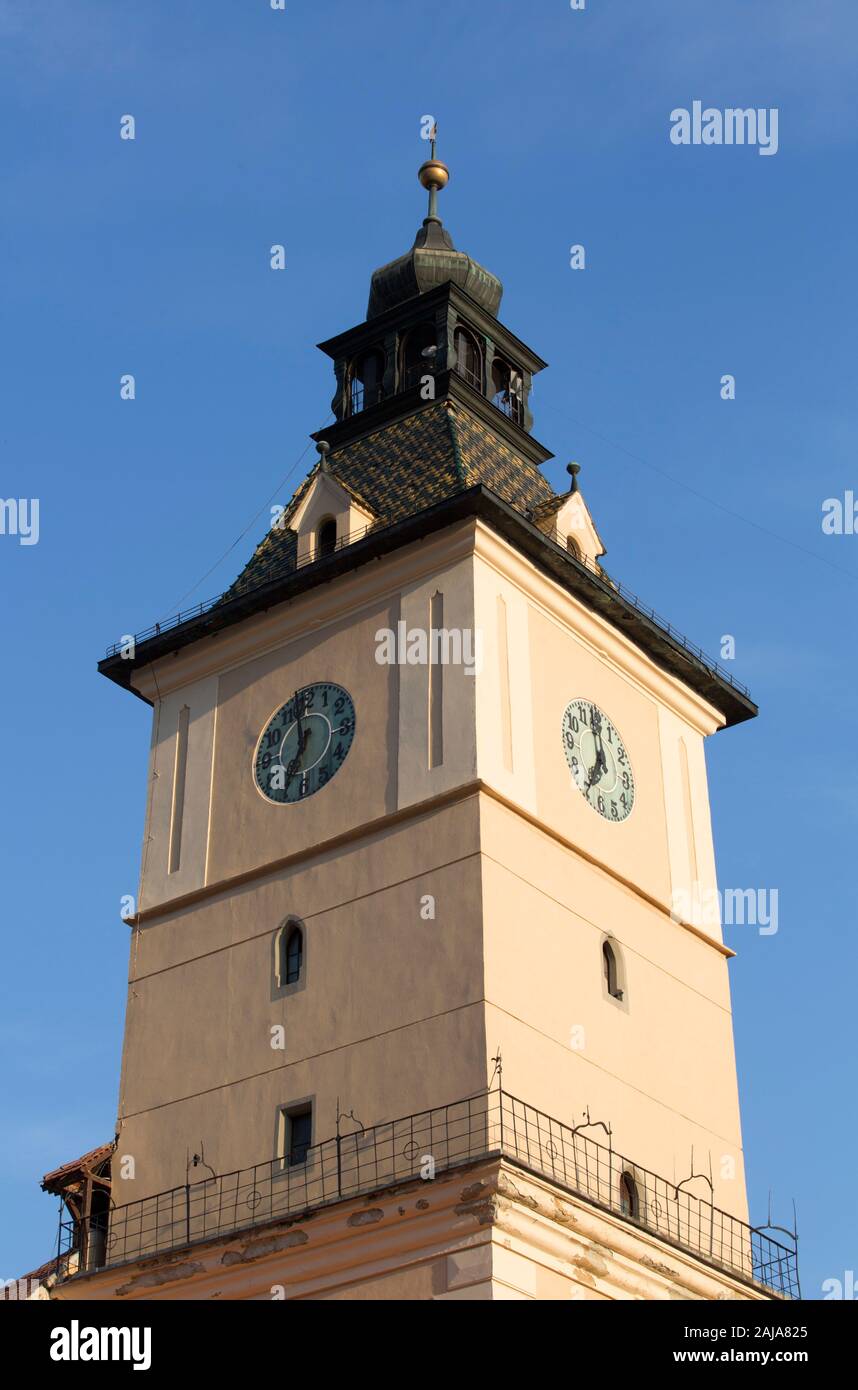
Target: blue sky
[{"x": 257, "y": 127}]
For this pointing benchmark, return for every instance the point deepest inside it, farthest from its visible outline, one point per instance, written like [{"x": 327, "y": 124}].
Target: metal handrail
[
  {"x": 622, "y": 590},
  {"x": 423, "y": 1145}
]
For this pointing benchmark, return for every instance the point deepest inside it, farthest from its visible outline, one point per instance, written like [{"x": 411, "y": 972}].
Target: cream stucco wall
[{"x": 400, "y": 1011}]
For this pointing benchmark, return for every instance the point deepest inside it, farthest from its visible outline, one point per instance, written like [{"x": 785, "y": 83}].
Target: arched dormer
[
  {"x": 566, "y": 520},
  {"x": 328, "y": 517}
]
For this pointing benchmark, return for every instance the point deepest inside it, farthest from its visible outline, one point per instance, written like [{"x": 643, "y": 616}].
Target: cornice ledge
[{"x": 598, "y": 634}]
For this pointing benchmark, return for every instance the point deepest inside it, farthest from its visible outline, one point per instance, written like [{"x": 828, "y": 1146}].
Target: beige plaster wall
[
  {"x": 389, "y": 1015},
  {"x": 399, "y": 1012}
]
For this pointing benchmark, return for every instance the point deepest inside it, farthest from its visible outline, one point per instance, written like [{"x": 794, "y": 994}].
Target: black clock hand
[
  {"x": 601, "y": 763},
  {"x": 293, "y": 766}
]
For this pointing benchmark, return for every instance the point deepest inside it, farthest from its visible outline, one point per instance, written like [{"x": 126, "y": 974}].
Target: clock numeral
[
  {"x": 603, "y": 773},
  {"x": 286, "y": 763}
]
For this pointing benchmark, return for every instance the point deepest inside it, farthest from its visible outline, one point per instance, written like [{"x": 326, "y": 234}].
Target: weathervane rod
[{"x": 433, "y": 174}]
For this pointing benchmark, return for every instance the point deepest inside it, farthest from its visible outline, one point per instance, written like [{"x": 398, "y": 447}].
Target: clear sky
[{"x": 256, "y": 127}]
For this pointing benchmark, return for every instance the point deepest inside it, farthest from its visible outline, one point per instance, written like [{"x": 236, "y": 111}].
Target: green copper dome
[{"x": 433, "y": 259}]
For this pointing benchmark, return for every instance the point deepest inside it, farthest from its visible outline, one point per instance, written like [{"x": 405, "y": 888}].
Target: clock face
[
  {"x": 304, "y": 745},
  {"x": 600, "y": 766}
]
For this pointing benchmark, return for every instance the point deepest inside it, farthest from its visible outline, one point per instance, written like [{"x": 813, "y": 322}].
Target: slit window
[
  {"x": 612, "y": 974},
  {"x": 294, "y": 955},
  {"x": 629, "y": 1202}
]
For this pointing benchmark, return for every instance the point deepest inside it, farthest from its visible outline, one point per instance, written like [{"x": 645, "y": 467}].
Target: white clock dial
[{"x": 600, "y": 766}]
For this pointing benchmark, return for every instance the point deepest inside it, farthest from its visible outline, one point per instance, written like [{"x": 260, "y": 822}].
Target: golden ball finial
[{"x": 433, "y": 174}]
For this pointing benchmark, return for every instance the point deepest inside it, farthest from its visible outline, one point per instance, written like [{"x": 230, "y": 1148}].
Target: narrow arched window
[
  {"x": 326, "y": 537},
  {"x": 418, "y": 355},
  {"x": 612, "y": 974},
  {"x": 469, "y": 359},
  {"x": 629, "y": 1203},
  {"x": 366, "y": 381},
  {"x": 293, "y": 955},
  {"x": 573, "y": 547},
  {"x": 507, "y": 390}
]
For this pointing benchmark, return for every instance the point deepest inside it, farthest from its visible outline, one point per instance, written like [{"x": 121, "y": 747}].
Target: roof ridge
[{"x": 452, "y": 423}]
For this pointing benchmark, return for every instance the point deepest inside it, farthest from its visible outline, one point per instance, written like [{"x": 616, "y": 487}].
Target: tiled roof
[
  {"x": 549, "y": 506},
  {"x": 89, "y": 1161},
  {"x": 403, "y": 468}
]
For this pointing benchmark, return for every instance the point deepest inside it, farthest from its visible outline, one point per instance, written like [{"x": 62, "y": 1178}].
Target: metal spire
[{"x": 434, "y": 175}]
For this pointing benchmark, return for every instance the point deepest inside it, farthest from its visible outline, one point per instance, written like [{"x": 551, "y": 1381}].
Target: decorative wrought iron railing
[{"x": 426, "y": 1145}]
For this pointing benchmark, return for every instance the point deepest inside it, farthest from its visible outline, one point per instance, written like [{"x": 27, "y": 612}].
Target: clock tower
[{"x": 412, "y": 1010}]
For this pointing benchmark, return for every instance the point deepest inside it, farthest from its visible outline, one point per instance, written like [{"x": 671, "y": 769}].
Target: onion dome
[{"x": 433, "y": 259}]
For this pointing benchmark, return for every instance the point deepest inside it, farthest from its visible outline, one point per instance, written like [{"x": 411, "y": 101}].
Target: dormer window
[
  {"x": 326, "y": 537},
  {"x": 417, "y": 355},
  {"x": 469, "y": 359},
  {"x": 366, "y": 381},
  {"x": 507, "y": 390}
]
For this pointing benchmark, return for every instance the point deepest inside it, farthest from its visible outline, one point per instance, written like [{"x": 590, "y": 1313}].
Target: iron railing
[
  {"x": 424, "y": 1145},
  {"x": 201, "y": 609},
  {"x": 508, "y": 403}
]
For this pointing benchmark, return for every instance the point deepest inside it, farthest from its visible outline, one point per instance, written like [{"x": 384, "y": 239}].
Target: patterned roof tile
[{"x": 403, "y": 468}]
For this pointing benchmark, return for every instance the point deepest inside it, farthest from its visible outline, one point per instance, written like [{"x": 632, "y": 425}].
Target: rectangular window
[{"x": 296, "y": 1135}]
